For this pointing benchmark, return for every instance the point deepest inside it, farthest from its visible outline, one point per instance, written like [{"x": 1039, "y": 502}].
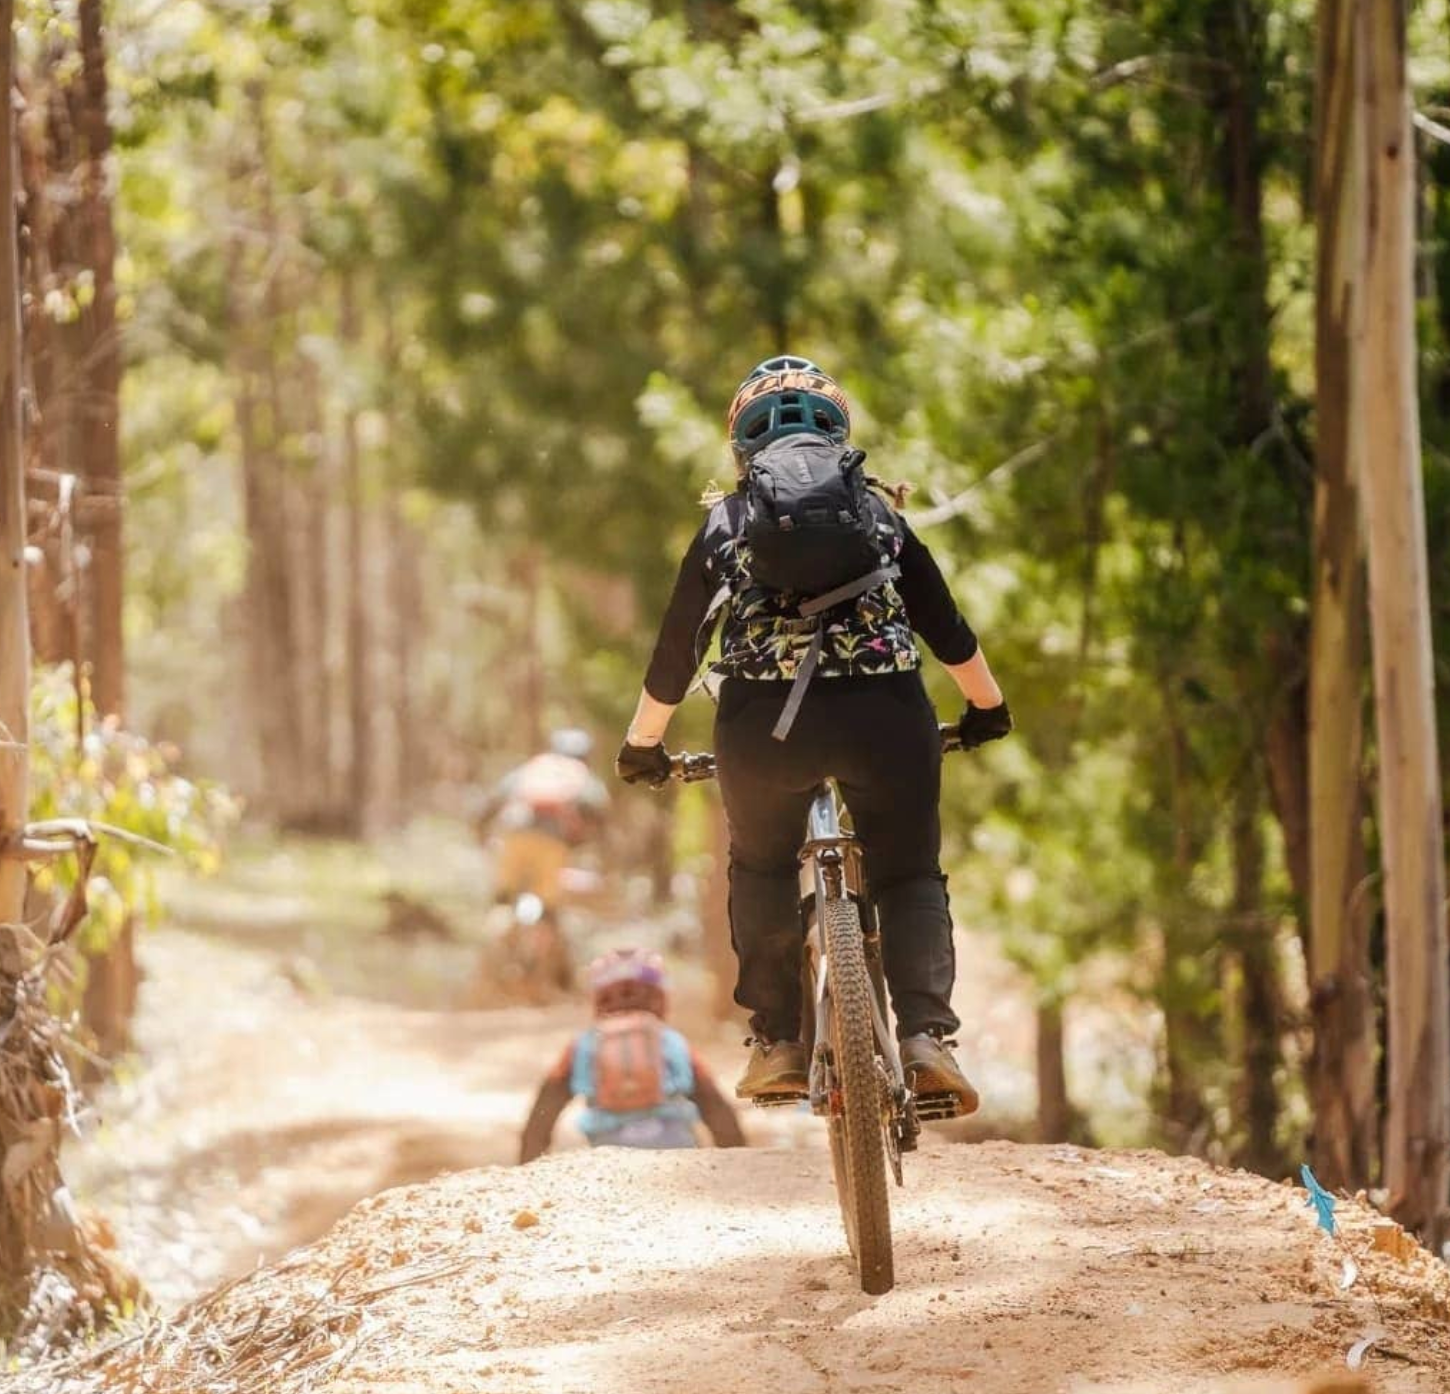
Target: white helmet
[{"x": 572, "y": 741}]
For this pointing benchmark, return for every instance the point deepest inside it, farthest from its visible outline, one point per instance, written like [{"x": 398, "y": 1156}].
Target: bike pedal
[
  {"x": 779, "y": 1100},
  {"x": 937, "y": 1108}
]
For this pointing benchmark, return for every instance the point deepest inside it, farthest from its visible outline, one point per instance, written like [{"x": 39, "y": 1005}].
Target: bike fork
[
  {"x": 821, "y": 1081},
  {"x": 904, "y": 1124}
]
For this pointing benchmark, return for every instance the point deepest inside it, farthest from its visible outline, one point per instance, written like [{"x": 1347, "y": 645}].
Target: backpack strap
[
  {"x": 720, "y": 520},
  {"x": 816, "y": 606},
  {"x": 850, "y": 590},
  {"x": 704, "y": 634},
  {"x": 797, "y": 693}
]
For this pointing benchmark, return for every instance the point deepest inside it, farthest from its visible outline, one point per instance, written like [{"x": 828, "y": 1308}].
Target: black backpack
[
  {"x": 812, "y": 525},
  {"x": 810, "y": 518}
]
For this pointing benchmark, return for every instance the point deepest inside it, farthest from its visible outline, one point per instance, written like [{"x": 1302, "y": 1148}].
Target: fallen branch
[
  {"x": 1433, "y": 129},
  {"x": 959, "y": 503},
  {"x": 53, "y": 837}
]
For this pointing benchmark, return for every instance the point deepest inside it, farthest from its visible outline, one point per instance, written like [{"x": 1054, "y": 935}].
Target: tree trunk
[
  {"x": 1286, "y": 762},
  {"x": 314, "y": 481},
  {"x": 1187, "y": 1032},
  {"x": 1259, "y": 965},
  {"x": 359, "y": 668},
  {"x": 53, "y": 607},
  {"x": 37, "y": 1233},
  {"x": 528, "y": 579},
  {"x": 1417, "y": 1135},
  {"x": 1234, "y": 29},
  {"x": 14, "y": 630},
  {"x": 74, "y": 367},
  {"x": 300, "y": 559},
  {"x": 112, "y": 974},
  {"x": 73, "y": 360},
  {"x": 401, "y": 586},
  {"x": 99, "y": 362},
  {"x": 314, "y": 666},
  {"x": 269, "y": 611},
  {"x": 254, "y": 308},
  {"x": 1054, "y": 1107},
  {"x": 403, "y": 593},
  {"x": 113, "y": 982},
  {"x": 1342, "y": 1070}
]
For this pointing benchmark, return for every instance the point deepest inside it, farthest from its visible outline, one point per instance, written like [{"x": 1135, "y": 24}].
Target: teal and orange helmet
[{"x": 784, "y": 396}]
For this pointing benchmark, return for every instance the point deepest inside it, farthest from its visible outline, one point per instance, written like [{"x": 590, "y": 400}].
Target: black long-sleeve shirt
[{"x": 873, "y": 625}]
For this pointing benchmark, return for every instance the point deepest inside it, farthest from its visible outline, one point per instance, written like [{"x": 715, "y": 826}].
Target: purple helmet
[{"x": 628, "y": 980}]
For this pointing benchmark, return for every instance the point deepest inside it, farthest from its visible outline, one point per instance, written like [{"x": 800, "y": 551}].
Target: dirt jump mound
[{"x": 1019, "y": 1269}]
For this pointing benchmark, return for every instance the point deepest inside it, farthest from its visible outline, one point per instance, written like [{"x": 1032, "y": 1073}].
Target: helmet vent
[{"x": 784, "y": 396}]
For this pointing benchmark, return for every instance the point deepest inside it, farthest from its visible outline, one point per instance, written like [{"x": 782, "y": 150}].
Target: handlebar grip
[{"x": 692, "y": 768}]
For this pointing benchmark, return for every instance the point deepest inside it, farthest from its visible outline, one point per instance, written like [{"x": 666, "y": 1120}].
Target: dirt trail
[
  {"x": 263, "y": 1109},
  {"x": 264, "y": 1104},
  {"x": 1020, "y": 1269},
  {"x": 268, "y": 1107}
]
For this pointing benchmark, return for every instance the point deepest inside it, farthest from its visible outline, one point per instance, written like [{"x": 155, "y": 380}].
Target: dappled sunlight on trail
[
  {"x": 261, "y": 1113},
  {"x": 277, "y": 1120},
  {"x": 1019, "y": 1269}
]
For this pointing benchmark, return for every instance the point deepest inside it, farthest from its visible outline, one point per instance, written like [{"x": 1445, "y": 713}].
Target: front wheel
[{"x": 857, "y": 1155}]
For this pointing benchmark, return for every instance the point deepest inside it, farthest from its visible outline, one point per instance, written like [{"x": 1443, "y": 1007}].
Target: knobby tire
[{"x": 857, "y": 1143}]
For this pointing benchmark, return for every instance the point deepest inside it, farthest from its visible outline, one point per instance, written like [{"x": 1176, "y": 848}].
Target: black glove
[
  {"x": 643, "y": 764},
  {"x": 982, "y": 724}
]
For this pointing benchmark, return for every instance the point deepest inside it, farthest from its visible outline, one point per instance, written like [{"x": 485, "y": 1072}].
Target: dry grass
[
  {"x": 60, "y": 1279},
  {"x": 228, "y": 1343}
]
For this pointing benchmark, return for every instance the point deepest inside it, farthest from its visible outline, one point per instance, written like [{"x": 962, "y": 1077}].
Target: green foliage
[
  {"x": 1060, "y": 256},
  {"x": 115, "y": 777}
]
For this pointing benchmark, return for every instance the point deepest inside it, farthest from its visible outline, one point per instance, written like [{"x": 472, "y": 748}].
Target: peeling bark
[{"x": 1417, "y": 1134}]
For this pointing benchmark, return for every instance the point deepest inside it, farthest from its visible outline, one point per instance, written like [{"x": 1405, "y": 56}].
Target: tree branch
[{"x": 959, "y": 503}]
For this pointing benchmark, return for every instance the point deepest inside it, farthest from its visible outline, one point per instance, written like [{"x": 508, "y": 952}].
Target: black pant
[{"x": 878, "y": 737}]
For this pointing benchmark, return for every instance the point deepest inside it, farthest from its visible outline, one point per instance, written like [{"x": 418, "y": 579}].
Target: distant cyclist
[
  {"x": 539, "y": 813},
  {"x": 821, "y": 585},
  {"x": 641, "y": 1083}
]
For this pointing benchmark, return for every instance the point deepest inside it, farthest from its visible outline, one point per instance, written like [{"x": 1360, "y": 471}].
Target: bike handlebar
[{"x": 692, "y": 767}]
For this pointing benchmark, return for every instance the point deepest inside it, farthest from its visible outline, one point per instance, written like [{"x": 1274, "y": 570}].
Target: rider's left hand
[{"x": 643, "y": 764}]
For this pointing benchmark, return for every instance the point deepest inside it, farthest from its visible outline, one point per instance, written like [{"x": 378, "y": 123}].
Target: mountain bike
[
  {"x": 526, "y": 959},
  {"x": 856, "y": 1081}
]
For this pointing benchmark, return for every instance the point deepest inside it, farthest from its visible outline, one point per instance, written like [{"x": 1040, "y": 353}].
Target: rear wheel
[{"x": 857, "y": 1155}]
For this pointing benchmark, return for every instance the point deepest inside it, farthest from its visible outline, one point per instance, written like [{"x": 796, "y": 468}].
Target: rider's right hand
[
  {"x": 643, "y": 764},
  {"x": 982, "y": 724}
]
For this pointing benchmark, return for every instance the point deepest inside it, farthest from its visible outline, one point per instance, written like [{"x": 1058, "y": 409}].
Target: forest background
[{"x": 419, "y": 320}]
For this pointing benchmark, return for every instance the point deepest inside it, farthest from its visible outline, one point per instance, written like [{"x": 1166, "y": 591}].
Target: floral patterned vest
[{"x": 763, "y": 635}]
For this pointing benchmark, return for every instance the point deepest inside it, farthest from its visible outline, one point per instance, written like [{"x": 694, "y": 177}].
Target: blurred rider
[
  {"x": 540, "y": 812},
  {"x": 641, "y": 1082},
  {"x": 820, "y": 679}
]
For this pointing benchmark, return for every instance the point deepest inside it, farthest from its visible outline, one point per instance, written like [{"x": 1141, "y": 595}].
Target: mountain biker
[
  {"x": 643, "y": 1085},
  {"x": 540, "y": 812},
  {"x": 840, "y": 695}
]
